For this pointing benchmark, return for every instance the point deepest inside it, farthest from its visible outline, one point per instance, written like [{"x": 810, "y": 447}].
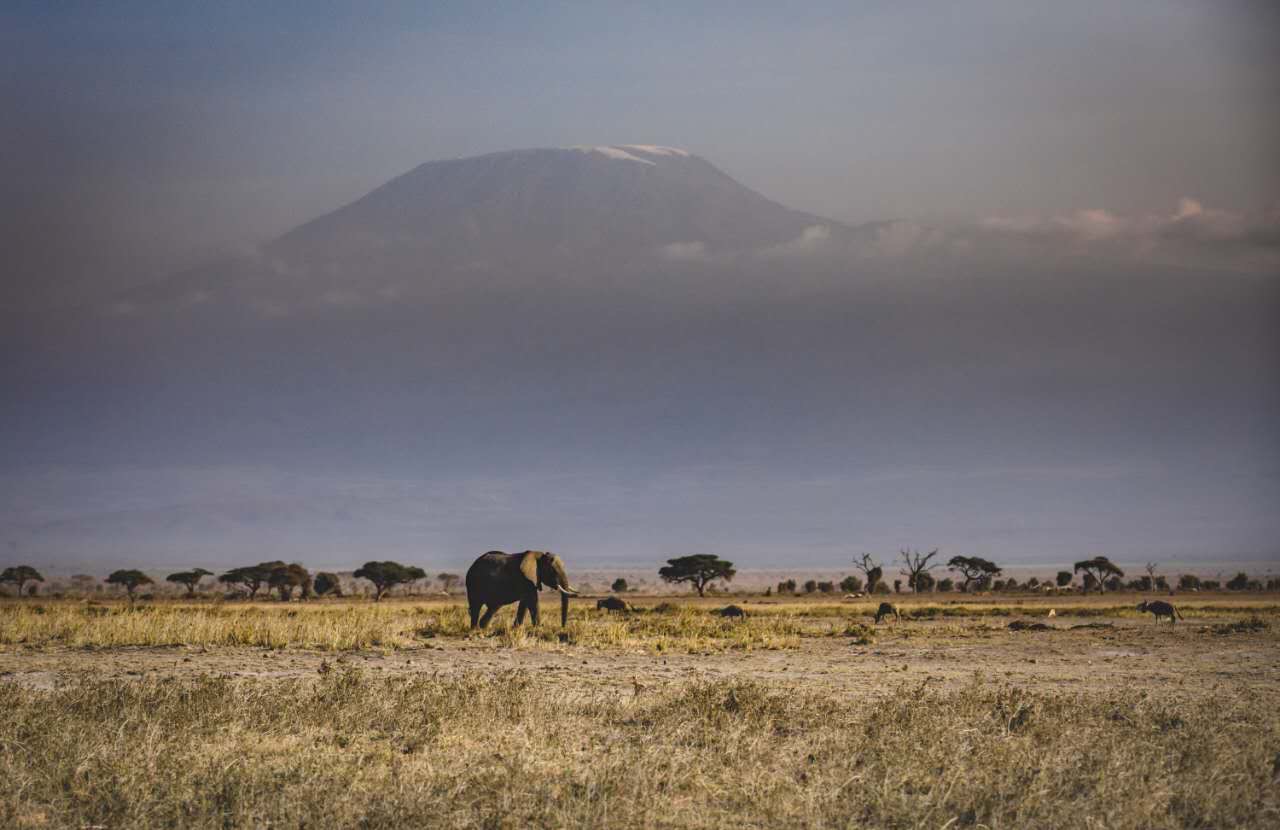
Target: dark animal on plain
[
  {"x": 730, "y": 611},
  {"x": 1160, "y": 608},
  {"x": 497, "y": 579},
  {"x": 1023, "y": 625},
  {"x": 612, "y": 604},
  {"x": 885, "y": 609}
]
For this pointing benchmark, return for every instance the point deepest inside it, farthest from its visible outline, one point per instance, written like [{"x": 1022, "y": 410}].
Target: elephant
[
  {"x": 731, "y": 611},
  {"x": 497, "y": 579}
]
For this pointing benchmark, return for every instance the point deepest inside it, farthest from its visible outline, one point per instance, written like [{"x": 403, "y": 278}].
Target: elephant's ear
[{"x": 529, "y": 567}]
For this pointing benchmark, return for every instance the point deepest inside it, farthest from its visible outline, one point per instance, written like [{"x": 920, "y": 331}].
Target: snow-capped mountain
[{"x": 517, "y": 215}]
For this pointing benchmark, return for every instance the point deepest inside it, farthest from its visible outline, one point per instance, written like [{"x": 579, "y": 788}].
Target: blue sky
[{"x": 1123, "y": 155}]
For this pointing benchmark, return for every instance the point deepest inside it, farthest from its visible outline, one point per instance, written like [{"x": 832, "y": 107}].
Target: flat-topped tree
[
  {"x": 287, "y": 578},
  {"x": 252, "y": 577},
  {"x": 20, "y": 575},
  {"x": 1097, "y": 571},
  {"x": 448, "y": 581},
  {"x": 130, "y": 580},
  {"x": 699, "y": 569},
  {"x": 972, "y": 569},
  {"x": 916, "y": 563},
  {"x": 189, "y": 578},
  {"x": 387, "y": 575}
]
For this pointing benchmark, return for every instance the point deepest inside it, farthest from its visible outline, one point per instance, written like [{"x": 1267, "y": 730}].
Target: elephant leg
[
  {"x": 475, "y": 614},
  {"x": 520, "y": 612},
  {"x": 533, "y": 608},
  {"x": 488, "y": 615}
]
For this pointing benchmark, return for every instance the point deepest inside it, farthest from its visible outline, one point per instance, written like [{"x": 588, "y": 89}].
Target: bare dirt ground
[{"x": 1187, "y": 659}]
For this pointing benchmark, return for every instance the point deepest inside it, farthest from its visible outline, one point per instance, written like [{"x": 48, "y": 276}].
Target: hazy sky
[
  {"x": 1067, "y": 345},
  {"x": 142, "y": 136}
]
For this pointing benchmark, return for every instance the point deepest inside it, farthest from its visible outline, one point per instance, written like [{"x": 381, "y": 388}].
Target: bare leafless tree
[
  {"x": 1151, "y": 573},
  {"x": 916, "y": 563},
  {"x": 870, "y": 571}
]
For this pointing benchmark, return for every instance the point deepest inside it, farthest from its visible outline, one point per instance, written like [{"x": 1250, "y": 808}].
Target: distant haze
[{"x": 341, "y": 289}]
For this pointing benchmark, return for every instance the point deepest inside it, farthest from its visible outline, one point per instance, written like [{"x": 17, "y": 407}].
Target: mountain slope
[{"x": 512, "y": 220}]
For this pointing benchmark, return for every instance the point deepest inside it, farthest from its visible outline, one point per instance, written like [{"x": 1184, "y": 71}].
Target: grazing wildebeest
[
  {"x": 1160, "y": 608},
  {"x": 612, "y": 604},
  {"x": 730, "y": 611},
  {"x": 885, "y": 609}
]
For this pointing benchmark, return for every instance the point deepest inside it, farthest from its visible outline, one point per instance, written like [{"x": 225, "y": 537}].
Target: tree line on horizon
[{"x": 700, "y": 571}]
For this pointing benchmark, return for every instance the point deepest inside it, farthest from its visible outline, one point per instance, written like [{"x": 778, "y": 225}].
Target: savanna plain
[{"x": 973, "y": 711}]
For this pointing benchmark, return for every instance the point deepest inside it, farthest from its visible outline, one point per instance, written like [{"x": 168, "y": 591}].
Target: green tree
[
  {"x": 1189, "y": 582},
  {"x": 972, "y": 568},
  {"x": 387, "y": 575},
  {"x": 851, "y": 584},
  {"x": 130, "y": 580},
  {"x": 252, "y": 577},
  {"x": 1100, "y": 568},
  {"x": 787, "y": 586},
  {"x": 20, "y": 575},
  {"x": 810, "y": 586},
  {"x": 288, "y": 578},
  {"x": 1064, "y": 578},
  {"x": 448, "y": 581},
  {"x": 699, "y": 569},
  {"x": 619, "y": 586},
  {"x": 189, "y": 578},
  {"x": 327, "y": 583},
  {"x": 946, "y": 584},
  {"x": 1239, "y": 582}
]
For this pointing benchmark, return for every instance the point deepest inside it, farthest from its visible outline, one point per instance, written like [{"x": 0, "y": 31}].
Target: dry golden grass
[
  {"x": 509, "y": 750},
  {"x": 659, "y": 626}
]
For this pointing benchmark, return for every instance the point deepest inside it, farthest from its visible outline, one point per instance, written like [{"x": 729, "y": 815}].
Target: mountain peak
[{"x": 628, "y": 152}]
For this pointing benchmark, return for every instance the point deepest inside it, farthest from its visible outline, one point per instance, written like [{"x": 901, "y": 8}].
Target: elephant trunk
[{"x": 564, "y": 609}]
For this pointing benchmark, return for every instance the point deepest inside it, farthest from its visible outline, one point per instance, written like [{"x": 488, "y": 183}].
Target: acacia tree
[
  {"x": 619, "y": 586},
  {"x": 973, "y": 568},
  {"x": 189, "y": 578},
  {"x": 448, "y": 581},
  {"x": 288, "y": 577},
  {"x": 700, "y": 569},
  {"x": 130, "y": 580},
  {"x": 1064, "y": 578},
  {"x": 252, "y": 577},
  {"x": 914, "y": 564},
  {"x": 387, "y": 575},
  {"x": 20, "y": 575},
  {"x": 1099, "y": 569},
  {"x": 871, "y": 572}
]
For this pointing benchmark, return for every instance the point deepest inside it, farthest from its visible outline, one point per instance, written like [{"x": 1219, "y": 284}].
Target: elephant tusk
[{"x": 568, "y": 592}]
